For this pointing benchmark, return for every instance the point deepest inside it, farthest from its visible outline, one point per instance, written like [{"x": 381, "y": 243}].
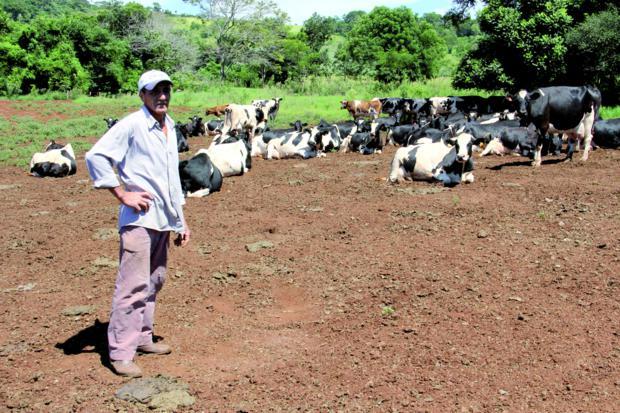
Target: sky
[{"x": 300, "y": 10}]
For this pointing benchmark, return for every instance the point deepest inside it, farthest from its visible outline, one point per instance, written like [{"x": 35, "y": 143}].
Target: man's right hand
[{"x": 139, "y": 201}]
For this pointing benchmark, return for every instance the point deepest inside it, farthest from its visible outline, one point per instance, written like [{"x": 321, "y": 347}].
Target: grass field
[{"x": 28, "y": 123}]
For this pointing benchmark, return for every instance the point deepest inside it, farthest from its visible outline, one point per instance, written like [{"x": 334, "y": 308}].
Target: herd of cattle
[{"x": 436, "y": 135}]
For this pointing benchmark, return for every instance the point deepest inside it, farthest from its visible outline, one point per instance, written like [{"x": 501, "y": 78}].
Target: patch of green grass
[{"x": 387, "y": 310}]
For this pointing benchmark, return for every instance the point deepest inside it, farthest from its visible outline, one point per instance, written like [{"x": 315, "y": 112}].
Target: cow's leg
[
  {"x": 397, "y": 171},
  {"x": 468, "y": 177},
  {"x": 538, "y": 151},
  {"x": 588, "y": 123},
  {"x": 199, "y": 194},
  {"x": 571, "y": 145}
]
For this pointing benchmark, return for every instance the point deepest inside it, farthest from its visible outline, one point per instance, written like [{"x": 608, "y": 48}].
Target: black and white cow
[
  {"x": 362, "y": 142},
  {"x": 439, "y": 161},
  {"x": 567, "y": 108},
  {"x": 199, "y": 176},
  {"x": 110, "y": 122},
  {"x": 521, "y": 141},
  {"x": 195, "y": 127},
  {"x": 486, "y": 132},
  {"x": 399, "y": 135},
  {"x": 270, "y": 107},
  {"x": 441, "y": 105},
  {"x": 214, "y": 126},
  {"x": 607, "y": 133},
  {"x": 181, "y": 133},
  {"x": 327, "y": 137},
  {"x": 294, "y": 145},
  {"x": 382, "y": 124},
  {"x": 262, "y": 137},
  {"x": 56, "y": 162},
  {"x": 231, "y": 157},
  {"x": 395, "y": 107}
]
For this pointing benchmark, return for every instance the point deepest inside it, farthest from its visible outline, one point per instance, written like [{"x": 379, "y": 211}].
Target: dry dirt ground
[{"x": 502, "y": 295}]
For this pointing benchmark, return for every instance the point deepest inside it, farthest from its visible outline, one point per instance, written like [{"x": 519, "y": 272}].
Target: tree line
[{"x": 73, "y": 45}]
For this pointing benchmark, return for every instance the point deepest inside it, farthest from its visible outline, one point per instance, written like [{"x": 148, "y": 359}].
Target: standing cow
[{"x": 566, "y": 109}]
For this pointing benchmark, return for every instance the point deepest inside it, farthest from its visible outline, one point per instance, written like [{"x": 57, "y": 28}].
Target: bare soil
[{"x": 502, "y": 295}]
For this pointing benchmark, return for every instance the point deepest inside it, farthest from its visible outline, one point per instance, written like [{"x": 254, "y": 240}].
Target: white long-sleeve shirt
[{"x": 145, "y": 161}]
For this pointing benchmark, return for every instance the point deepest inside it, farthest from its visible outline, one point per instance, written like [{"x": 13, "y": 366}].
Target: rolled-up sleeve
[{"x": 103, "y": 157}]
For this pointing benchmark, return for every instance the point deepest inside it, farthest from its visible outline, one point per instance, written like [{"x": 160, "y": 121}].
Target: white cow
[
  {"x": 230, "y": 158},
  {"x": 293, "y": 145},
  {"x": 57, "y": 161},
  {"x": 450, "y": 164}
]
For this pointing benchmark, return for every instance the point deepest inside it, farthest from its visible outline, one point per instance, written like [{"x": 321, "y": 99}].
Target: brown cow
[
  {"x": 216, "y": 110},
  {"x": 359, "y": 108}
]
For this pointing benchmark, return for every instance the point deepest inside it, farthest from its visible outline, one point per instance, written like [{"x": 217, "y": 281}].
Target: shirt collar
[{"x": 151, "y": 121}]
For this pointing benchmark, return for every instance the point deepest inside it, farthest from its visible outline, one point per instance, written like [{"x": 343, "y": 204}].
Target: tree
[
  {"x": 527, "y": 44},
  {"x": 317, "y": 30},
  {"x": 236, "y": 26},
  {"x": 522, "y": 46},
  {"x": 593, "y": 55},
  {"x": 388, "y": 39}
]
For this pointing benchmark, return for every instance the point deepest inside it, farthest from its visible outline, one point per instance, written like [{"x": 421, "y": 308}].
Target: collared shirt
[{"x": 145, "y": 161}]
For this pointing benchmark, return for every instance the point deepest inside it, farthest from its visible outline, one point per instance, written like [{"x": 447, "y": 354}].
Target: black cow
[
  {"x": 213, "y": 126},
  {"x": 564, "y": 109},
  {"x": 199, "y": 177},
  {"x": 195, "y": 127},
  {"x": 110, "y": 122},
  {"x": 396, "y": 107},
  {"x": 399, "y": 135},
  {"x": 522, "y": 141},
  {"x": 607, "y": 133},
  {"x": 182, "y": 133}
]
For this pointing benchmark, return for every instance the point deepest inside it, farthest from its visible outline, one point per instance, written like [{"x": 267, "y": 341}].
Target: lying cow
[
  {"x": 261, "y": 139},
  {"x": 382, "y": 124},
  {"x": 199, "y": 176},
  {"x": 195, "y": 127},
  {"x": 359, "y": 108},
  {"x": 181, "y": 134},
  {"x": 521, "y": 141},
  {"x": 294, "y": 145},
  {"x": 231, "y": 158},
  {"x": 56, "y": 162},
  {"x": 214, "y": 126},
  {"x": 607, "y": 133},
  {"x": 449, "y": 164},
  {"x": 327, "y": 138}
]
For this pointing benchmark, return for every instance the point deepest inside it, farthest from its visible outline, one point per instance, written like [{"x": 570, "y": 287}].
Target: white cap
[{"x": 150, "y": 79}]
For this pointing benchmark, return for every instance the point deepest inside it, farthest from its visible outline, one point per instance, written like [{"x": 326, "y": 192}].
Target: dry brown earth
[{"x": 502, "y": 295}]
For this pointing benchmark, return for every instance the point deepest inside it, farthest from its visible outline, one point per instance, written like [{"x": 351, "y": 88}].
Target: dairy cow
[
  {"x": 199, "y": 176},
  {"x": 360, "y": 108},
  {"x": 567, "y": 108},
  {"x": 450, "y": 164},
  {"x": 55, "y": 162},
  {"x": 607, "y": 133}
]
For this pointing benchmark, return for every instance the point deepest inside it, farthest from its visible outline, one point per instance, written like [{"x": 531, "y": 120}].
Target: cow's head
[
  {"x": 298, "y": 126},
  {"x": 110, "y": 122},
  {"x": 463, "y": 143},
  {"x": 343, "y": 104}
]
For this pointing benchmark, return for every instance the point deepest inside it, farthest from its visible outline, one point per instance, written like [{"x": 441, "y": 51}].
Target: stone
[
  {"x": 255, "y": 246},
  {"x": 79, "y": 310}
]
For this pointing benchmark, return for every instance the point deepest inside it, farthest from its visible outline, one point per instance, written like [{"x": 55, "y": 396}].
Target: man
[{"x": 142, "y": 148}]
